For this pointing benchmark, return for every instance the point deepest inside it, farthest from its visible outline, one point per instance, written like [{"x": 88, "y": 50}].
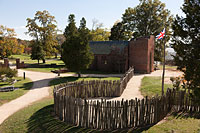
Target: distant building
[{"x": 118, "y": 56}]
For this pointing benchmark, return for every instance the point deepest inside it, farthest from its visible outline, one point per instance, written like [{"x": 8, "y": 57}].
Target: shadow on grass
[
  {"x": 44, "y": 121},
  {"x": 27, "y": 86},
  {"x": 185, "y": 115},
  {"x": 3, "y": 84},
  {"x": 63, "y": 80},
  {"x": 98, "y": 72},
  {"x": 53, "y": 65},
  {"x": 71, "y": 79}
]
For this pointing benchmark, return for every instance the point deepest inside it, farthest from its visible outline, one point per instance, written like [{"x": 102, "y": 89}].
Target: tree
[
  {"x": 118, "y": 32},
  {"x": 43, "y": 29},
  {"x": 37, "y": 52},
  {"x": 148, "y": 18},
  {"x": 75, "y": 50},
  {"x": 98, "y": 33},
  {"x": 186, "y": 43},
  {"x": 8, "y": 43}
]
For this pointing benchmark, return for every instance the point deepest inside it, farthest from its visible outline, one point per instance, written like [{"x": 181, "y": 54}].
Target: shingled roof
[{"x": 105, "y": 47}]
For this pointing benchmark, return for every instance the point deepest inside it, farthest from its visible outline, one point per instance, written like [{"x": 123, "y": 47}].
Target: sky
[{"x": 15, "y": 12}]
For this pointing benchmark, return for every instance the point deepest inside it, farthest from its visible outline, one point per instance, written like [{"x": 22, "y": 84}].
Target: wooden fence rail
[
  {"x": 72, "y": 106},
  {"x": 95, "y": 88}
]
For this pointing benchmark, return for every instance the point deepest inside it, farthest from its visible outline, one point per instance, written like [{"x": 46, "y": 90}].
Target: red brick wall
[
  {"x": 110, "y": 62},
  {"x": 139, "y": 54},
  {"x": 140, "y": 51}
]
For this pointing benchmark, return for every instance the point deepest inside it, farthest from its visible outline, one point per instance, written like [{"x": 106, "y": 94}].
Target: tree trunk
[
  {"x": 56, "y": 55},
  {"x": 79, "y": 74},
  {"x": 38, "y": 61},
  {"x": 43, "y": 60}
]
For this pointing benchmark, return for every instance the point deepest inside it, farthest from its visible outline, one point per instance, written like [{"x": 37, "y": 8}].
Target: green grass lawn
[
  {"x": 177, "y": 124},
  {"x": 152, "y": 86},
  {"x": 23, "y": 85},
  {"x": 34, "y": 66},
  {"x": 167, "y": 67},
  {"x": 72, "y": 79},
  {"x": 39, "y": 116}
]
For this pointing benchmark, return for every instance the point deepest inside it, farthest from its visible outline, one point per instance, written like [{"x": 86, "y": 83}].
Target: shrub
[{"x": 7, "y": 73}]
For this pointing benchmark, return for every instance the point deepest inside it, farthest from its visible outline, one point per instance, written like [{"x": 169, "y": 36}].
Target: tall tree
[
  {"x": 43, "y": 29},
  {"x": 98, "y": 33},
  {"x": 148, "y": 18},
  {"x": 118, "y": 32},
  {"x": 76, "y": 53},
  {"x": 37, "y": 52},
  {"x": 186, "y": 43},
  {"x": 8, "y": 43}
]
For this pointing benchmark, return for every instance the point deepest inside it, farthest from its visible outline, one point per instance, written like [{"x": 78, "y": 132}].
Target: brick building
[{"x": 118, "y": 56}]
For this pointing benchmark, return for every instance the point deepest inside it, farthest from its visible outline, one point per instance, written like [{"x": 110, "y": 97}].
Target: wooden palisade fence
[{"x": 72, "y": 106}]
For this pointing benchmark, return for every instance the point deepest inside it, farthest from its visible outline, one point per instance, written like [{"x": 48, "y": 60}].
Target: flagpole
[{"x": 163, "y": 75}]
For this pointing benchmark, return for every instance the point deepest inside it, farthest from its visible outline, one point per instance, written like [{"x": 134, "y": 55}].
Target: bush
[{"x": 7, "y": 73}]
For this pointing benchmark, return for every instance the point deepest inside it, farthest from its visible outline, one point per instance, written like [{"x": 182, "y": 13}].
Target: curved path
[
  {"x": 132, "y": 90},
  {"x": 40, "y": 90}
]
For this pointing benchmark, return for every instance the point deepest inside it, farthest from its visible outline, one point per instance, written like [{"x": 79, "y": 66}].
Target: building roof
[{"x": 105, "y": 47}]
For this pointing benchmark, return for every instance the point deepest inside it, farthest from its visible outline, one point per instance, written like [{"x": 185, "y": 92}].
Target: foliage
[
  {"x": 8, "y": 43},
  {"x": 178, "y": 82},
  {"x": 76, "y": 52},
  {"x": 148, "y": 18},
  {"x": 37, "y": 52},
  {"x": 43, "y": 29},
  {"x": 118, "y": 32},
  {"x": 98, "y": 33},
  {"x": 185, "y": 41},
  {"x": 7, "y": 73},
  {"x": 60, "y": 38}
]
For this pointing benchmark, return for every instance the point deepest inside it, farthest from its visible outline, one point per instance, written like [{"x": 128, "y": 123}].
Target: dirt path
[
  {"x": 132, "y": 90},
  {"x": 40, "y": 89}
]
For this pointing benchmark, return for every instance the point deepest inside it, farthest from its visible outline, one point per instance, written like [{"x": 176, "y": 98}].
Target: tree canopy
[
  {"x": 98, "y": 33},
  {"x": 43, "y": 29},
  {"x": 148, "y": 18},
  {"x": 118, "y": 32},
  {"x": 8, "y": 43},
  {"x": 76, "y": 52},
  {"x": 186, "y": 43}
]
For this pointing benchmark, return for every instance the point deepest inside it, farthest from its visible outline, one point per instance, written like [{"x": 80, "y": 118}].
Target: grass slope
[
  {"x": 23, "y": 85},
  {"x": 39, "y": 117},
  {"x": 152, "y": 86},
  {"x": 183, "y": 123}
]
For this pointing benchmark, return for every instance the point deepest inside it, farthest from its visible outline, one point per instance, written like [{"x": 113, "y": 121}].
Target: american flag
[{"x": 161, "y": 35}]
